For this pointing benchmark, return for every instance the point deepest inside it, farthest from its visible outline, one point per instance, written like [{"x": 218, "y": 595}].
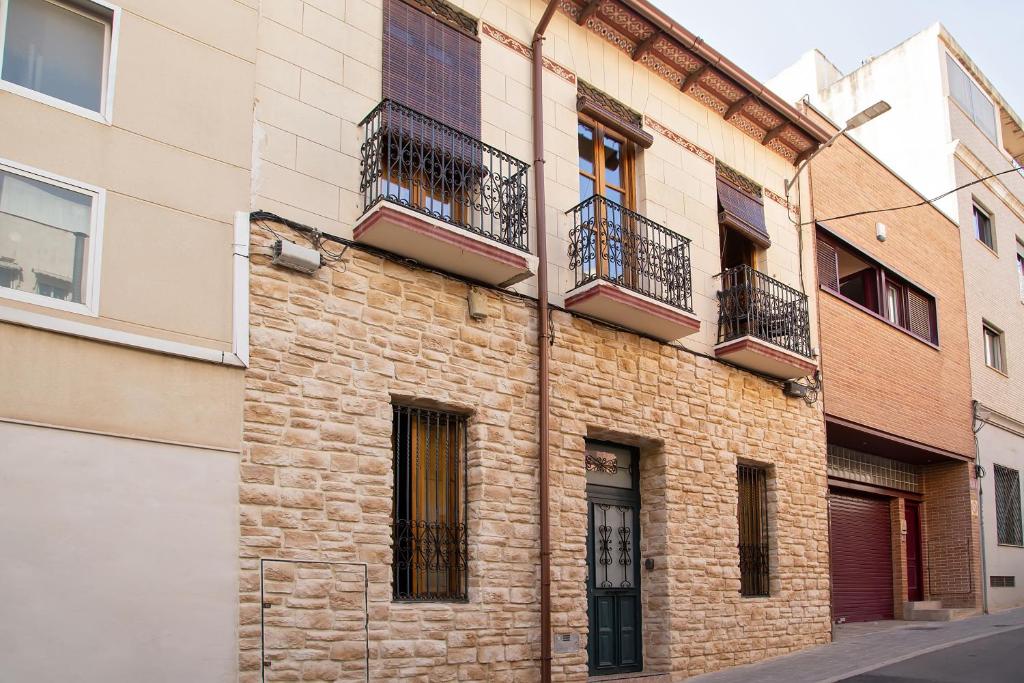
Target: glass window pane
[
  {"x": 609, "y": 466},
  {"x": 959, "y": 84},
  {"x": 585, "y": 135},
  {"x": 44, "y": 235},
  {"x": 612, "y": 161},
  {"x": 586, "y": 187},
  {"x": 614, "y": 195},
  {"x": 55, "y": 51},
  {"x": 984, "y": 112}
]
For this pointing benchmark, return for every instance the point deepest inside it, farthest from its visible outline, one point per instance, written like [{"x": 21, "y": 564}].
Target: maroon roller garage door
[{"x": 861, "y": 551}]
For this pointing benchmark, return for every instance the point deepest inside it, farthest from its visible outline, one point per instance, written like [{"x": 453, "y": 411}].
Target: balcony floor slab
[
  {"x": 626, "y": 308},
  {"x": 443, "y": 246},
  {"x": 757, "y": 354}
]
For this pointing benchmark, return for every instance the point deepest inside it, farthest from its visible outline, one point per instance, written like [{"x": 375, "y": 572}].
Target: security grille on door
[
  {"x": 1008, "y": 513},
  {"x": 430, "y": 505},
  {"x": 753, "y": 526}
]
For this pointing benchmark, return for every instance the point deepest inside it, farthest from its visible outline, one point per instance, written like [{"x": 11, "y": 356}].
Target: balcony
[
  {"x": 443, "y": 198},
  {"x": 630, "y": 271},
  {"x": 763, "y": 324}
]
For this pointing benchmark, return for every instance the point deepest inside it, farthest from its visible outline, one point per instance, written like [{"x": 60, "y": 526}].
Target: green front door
[{"x": 613, "y": 562}]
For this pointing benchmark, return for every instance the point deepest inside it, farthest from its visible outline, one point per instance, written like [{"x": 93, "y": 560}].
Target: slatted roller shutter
[
  {"x": 432, "y": 67},
  {"x": 919, "y": 318},
  {"x": 828, "y": 266},
  {"x": 861, "y": 554}
]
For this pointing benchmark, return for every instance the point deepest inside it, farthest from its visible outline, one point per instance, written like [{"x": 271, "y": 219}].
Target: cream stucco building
[
  {"x": 949, "y": 127},
  {"x": 122, "y": 335}
]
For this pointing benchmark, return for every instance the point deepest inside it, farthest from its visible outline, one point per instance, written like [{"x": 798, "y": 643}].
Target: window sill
[
  {"x": 989, "y": 249},
  {"x": 1010, "y": 545},
  {"x": 1001, "y": 372},
  {"x": 879, "y": 318},
  {"x": 55, "y": 102}
]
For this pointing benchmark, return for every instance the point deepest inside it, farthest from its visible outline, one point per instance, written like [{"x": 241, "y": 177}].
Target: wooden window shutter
[
  {"x": 920, "y": 315},
  {"x": 828, "y": 266},
  {"x": 432, "y": 66}
]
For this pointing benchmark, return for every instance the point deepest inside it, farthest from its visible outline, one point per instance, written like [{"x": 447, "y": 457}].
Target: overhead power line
[{"x": 923, "y": 202}]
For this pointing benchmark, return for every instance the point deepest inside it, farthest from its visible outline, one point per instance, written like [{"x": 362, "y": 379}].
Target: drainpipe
[
  {"x": 543, "y": 341},
  {"x": 976, "y": 424}
]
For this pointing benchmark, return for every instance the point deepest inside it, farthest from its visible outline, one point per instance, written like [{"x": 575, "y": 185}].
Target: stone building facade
[
  {"x": 337, "y": 357},
  {"x": 330, "y": 356}
]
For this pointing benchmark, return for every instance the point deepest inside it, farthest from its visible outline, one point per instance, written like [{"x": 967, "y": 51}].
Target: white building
[{"x": 949, "y": 127}]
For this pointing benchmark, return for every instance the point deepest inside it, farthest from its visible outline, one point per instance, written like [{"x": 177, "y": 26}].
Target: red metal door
[
  {"x": 915, "y": 574},
  {"x": 860, "y": 545}
]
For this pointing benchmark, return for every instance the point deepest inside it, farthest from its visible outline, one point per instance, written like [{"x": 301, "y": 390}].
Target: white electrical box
[{"x": 294, "y": 257}]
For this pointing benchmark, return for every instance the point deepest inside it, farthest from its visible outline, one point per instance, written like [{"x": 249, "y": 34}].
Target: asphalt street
[{"x": 995, "y": 659}]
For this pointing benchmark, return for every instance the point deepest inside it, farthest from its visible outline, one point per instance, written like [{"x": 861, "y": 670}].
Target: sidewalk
[{"x": 859, "y": 648}]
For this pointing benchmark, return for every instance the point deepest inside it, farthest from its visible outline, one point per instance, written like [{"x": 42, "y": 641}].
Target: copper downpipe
[{"x": 543, "y": 341}]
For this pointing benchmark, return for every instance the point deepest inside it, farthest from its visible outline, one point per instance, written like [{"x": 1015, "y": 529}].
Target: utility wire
[{"x": 923, "y": 202}]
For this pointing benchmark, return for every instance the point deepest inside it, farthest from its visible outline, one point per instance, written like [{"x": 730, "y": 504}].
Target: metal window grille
[
  {"x": 1008, "y": 514},
  {"x": 1003, "y": 581},
  {"x": 752, "y": 304},
  {"x": 613, "y": 243},
  {"x": 429, "y": 505},
  {"x": 753, "y": 523}
]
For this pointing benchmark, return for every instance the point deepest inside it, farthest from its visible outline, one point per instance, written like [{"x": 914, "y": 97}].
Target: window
[
  {"x": 752, "y": 515},
  {"x": 606, "y": 171},
  {"x": 431, "y": 71},
  {"x": 1020, "y": 268},
  {"x": 969, "y": 96},
  {"x": 995, "y": 356},
  {"x": 1008, "y": 513},
  {"x": 48, "y": 233},
  {"x": 858, "y": 279},
  {"x": 429, "y": 515},
  {"x": 983, "y": 227},
  {"x": 59, "y": 50}
]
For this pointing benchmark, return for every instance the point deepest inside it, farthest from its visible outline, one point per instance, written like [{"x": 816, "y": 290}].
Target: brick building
[
  {"x": 402, "y": 515},
  {"x": 902, "y": 492},
  {"x": 951, "y": 129}
]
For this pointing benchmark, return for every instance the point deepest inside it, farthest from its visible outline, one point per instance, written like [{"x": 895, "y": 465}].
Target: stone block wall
[{"x": 332, "y": 352}]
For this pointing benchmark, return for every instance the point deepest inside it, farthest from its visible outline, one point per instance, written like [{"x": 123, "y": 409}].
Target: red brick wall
[
  {"x": 875, "y": 373},
  {"x": 950, "y": 532}
]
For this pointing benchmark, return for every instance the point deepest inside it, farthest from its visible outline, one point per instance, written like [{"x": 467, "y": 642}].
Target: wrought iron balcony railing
[
  {"x": 610, "y": 242},
  {"x": 417, "y": 162},
  {"x": 752, "y": 304}
]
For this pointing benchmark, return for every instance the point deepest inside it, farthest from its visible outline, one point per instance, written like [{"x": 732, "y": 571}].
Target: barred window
[
  {"x": 753, "y": 525},
  {"x": 1008, "y": 522},
  {"x": 429, "y": 516}
]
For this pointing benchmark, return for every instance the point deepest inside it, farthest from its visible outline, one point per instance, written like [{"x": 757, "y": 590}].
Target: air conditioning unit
[{"x": 294, "y": 257}]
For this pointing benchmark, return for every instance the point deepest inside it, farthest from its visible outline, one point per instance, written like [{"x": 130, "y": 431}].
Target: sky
[{"x": 765, "y": 37}]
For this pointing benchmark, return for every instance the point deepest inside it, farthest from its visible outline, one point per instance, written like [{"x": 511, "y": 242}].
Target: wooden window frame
[
  {"x": 628, "y": 189},
  {"x": 881, "y": 279}
]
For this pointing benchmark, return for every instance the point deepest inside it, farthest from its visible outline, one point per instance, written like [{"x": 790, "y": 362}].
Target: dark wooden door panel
[
  {"x": 915, "y": 587},
  {"x": 861, "y": 554}
]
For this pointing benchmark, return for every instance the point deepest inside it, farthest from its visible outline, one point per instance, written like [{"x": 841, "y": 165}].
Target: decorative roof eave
[{"x": 650, "y": 38}]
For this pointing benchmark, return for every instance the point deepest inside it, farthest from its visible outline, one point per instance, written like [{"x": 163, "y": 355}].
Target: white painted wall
[
  {"x": 1000, "y": 447},
  {"x": 120, "y": 559}
]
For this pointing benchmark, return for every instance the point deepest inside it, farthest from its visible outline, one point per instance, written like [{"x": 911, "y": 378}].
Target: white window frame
[
  {"x": 111, "y": 31},
  {"x": 999, "y": 339},
  {"x": 998, "y": 141},
  {"x": 978, "y": 206},
  {"x": 91, "y": 287}
]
